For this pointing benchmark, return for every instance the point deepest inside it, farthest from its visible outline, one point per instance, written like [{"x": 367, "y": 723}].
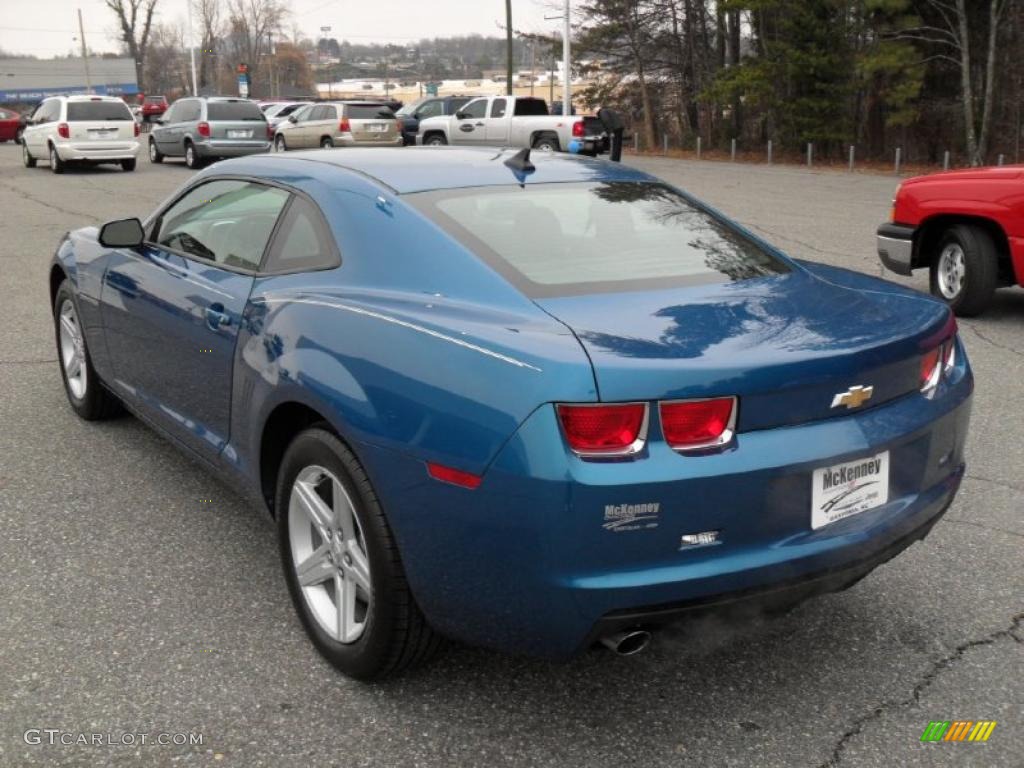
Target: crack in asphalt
[
  {"x": 996, "y": 344},
  {"x": 25, "y": 195},
  {"x": 801, "y": 243},
  {"x": 929, "y": 677},
  {"x": 1000, "y": 483},
  {"x": 982, "y": 525},
  {"x": 27, "y": 362}
]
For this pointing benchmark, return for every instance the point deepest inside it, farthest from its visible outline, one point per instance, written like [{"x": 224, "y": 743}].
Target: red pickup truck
[{"x": 966, "y": 227}]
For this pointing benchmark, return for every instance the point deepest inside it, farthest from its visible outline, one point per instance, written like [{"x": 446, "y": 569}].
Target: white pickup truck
[{"x": 514, "y": 121}]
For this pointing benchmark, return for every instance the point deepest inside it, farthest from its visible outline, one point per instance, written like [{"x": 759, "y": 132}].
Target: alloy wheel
[
  {"x": 951, "y": 271},
  {"x": 329, "y": 554},
  {"x": 72, "y": 350}
]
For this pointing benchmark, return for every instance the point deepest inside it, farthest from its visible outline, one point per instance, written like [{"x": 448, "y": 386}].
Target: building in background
[{"x": 24, "y": 81}]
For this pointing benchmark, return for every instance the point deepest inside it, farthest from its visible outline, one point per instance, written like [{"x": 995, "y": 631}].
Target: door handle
[
  {"x": 479, "y": 125},
  {"x": 216, "y": 317}
]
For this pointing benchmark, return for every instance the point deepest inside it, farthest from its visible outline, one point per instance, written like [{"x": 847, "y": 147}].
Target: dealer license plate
[
  {"x": 848, "y": 489},
  {"x": 239, "y": 134}
]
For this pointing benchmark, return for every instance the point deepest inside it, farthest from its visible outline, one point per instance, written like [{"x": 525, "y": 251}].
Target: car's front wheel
[
  {"x": 965, "y": 269},
  {"x": 155, "y": 155},
  {"x": 342, "y": 565},
  {"x": 26, "y": 156},
  {"x": 86, "y": 394}
]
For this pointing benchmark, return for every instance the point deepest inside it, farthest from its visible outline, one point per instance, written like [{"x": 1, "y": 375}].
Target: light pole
[
  {"x": 85, "y": 53},
  {"x": 192, "y": 50},
  {"x": 330, "y": 86},
  {"x": 566, "y": 18}
]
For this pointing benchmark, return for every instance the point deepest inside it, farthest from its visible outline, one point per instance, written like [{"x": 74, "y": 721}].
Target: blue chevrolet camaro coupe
[{"x": 528, "y": 403}]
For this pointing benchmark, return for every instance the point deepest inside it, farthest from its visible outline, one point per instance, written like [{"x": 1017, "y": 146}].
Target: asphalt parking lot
[{"x": 140, "y": 595}]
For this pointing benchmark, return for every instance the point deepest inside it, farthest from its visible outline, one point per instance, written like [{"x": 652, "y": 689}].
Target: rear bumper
[
  {"x": 108, "y": 151},
  {"x": 225, "y": 148},
  {"x": 525, "y": 563},
  {"x": 347, "y": 140},
  {"x": 896, "y": 247}
]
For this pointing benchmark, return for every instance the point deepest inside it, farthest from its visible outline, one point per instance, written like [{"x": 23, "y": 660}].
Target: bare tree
[
  {"x": 252, "y": 23},
  {"x": 211, "y": 27},
  {"x": 135, "y": 18}
]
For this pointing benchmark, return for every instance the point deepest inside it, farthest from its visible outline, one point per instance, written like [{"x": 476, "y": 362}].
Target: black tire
[
  {"x": 435, "y": 140},
  {"x": 26, "y": 156},
  {"x": 980, "y": 269},
  {"x": 326, "y": 143},
  {"x": 548, "y": 142},
  {"x": 56, "y": 164},
  {"x": 128, "y": 165},
  {"x": 155, "y": 155},
  {"x": 396, "y": 636},
  {"x": 18, "y": 135},
  {"x": 96, "y": 403},
  {"x": 192, "y": 158},
  {"x": 280, "y": 144}
]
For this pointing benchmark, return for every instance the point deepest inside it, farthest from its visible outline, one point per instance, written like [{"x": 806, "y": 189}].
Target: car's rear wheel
[
  {"x": 85, "y": 392},
  {"x": 342, "y": 565},
  {"x": 547, "y": 142},
  {"x": 965, "y": 269},
  {"x": 435, "y": 140},
  {"x": 128, "y": 165},
  {"x": 280, "y": 144},
  {"x": 26, "y": 156},
  {"x": 56, "y": 164},
  {"x": 192, "y": 159},
  {"x": 326, "y": 143},
  {"x": 155, "y": 155}
]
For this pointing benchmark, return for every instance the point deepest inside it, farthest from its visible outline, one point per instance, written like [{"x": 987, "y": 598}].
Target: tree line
[{"x": 923, "y": 75}]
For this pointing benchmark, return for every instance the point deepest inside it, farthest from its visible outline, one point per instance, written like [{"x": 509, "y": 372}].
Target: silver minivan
[
  {"x": 340, "y": 124},
  {"x": 209, "y": 128}
]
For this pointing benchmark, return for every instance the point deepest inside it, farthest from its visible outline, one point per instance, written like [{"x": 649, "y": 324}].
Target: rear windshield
[
  {"x": 233, "y": 110},
  {"x": 98, "y": 110},
  {"x": 567, "y": 239},
  {"x": 369, "y": 112},
  {"x": 531, "y": 107}
]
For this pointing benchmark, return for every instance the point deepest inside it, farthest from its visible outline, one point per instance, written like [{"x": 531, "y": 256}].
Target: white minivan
[{"x": 81, "y": 129}]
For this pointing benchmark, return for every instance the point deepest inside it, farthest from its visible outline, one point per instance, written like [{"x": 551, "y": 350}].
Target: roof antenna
[{"x": 520, "y": 161}]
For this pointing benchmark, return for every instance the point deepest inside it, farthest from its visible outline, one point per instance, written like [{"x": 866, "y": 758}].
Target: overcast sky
[{"x": 47, "y": 27}]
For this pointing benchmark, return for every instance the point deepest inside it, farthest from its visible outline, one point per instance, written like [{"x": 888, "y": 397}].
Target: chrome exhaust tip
[{"x": 627, "y": 643}]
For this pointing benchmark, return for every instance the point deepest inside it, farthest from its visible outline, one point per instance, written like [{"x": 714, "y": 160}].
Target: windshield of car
[
  {"x": 233, "y": 110},
  {"x": 368, "y": 112},
  {"x": 565, "y": 239},
  {"x": 98, "y": 110}
]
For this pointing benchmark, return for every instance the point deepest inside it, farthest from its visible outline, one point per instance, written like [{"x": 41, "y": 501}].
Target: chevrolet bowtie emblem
[{"x": 854, "y": 397}]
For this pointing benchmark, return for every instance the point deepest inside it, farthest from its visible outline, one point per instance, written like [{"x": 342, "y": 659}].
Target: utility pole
[
  {"x": 508, "y": 46},
  {"x": 533, "y": 64},
  {"x": 566, "y": 55},
  {"x": 192, "y": 50},
  {"x": 85, "y": 54}
]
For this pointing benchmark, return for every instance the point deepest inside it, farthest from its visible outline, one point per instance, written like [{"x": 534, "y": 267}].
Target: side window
[
  {"x": 330, "y": 112},
  {"x": 189, "y": 111},
  {"x": 227, "y": 222},
  {"x": 498, "y": 108},
  {"x": 48, "y": 111},
  {"x": 430, "y": 109},
  {"x": 319, "y": 113},
  {"x": 303, "y": 241},
  {"x": 476, "y": 108},
  {"x": 169, "y": 115}
]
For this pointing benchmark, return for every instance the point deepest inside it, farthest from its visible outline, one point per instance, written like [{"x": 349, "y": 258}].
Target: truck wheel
[
  {"x": 547, "y": 142},
  {"x": 435, "y": 140},
  {"x": 965, "y": 269}
]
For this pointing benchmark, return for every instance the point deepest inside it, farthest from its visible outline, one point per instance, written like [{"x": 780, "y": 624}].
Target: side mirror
[
  {"x": 292, "y": 119},
  {"x": 460, "y": 115},
  {"x": 160, "y": 121},
  {"x": 123, "y": 233}
]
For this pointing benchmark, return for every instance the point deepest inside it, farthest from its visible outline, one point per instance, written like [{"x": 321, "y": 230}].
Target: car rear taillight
[
  {"x": 344, "y": 126},
  {"x": 270, "y": 132},
  {"x": 949, "y": 357},
  {"x": 136, "y": 129},
  {"x": 577, "y": 129},
  {"x": 453, "y": 476},
  {"x": 695, "y": 424},
  {"x": 604, "y": 430},
  {"x": 203, "y": 129},
  {"x": 64, "y": 131},
  {"x": 931, "y": 369}
]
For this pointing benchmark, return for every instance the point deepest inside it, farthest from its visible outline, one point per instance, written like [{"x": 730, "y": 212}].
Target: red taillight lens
[
  {"x": 604, "y": 430},
  {"x": 136, "y": 129},
  {"x": 453, "y": 476},
  {"x": 931, "y": 369},
  {"x": 270, "y": 132},
  {"x": 203, "y": 129},
  {"x": 949, "y": 357},
  {"x": 692, "y": 424},
  {"x": 64, "y": 131},
  {"x": 345, "y": 126},
  {"x": 577, "y": 128}
]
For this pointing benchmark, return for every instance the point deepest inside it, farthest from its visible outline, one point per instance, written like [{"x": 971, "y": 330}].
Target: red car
[
  {"x": 153, "y": 106},
  {"x": 966, "y": 227},
  {"x": 9, "y": 123}
]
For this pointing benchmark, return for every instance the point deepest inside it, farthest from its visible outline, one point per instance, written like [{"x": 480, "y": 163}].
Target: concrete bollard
[
  {"x": 810, "y": 154},
  {"x": 769, "y": 151},
  {"x": 899, "y": 151},
  {"x": 664, "y": 142},
  {"x": 851, "y": 158},
  {"x": 698, "y": 148},
  {"x": 945, "y": 161},
  {"x": 636, "y": 142},
  {"x": 1000, "y": 159},
  {"x": 732, "y": 151}
]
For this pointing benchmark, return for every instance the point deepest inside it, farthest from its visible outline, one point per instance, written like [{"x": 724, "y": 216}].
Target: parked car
[
  {"x": 514, "y": 121},
  {"x": 278, "y": 113},
  {"x": 10, "y": 122},
  {"x": 153, "y": 107},
  {"x": 526, "y": 403},
  {"x": 339, "y": 124},
  {"x": 965, "y": 227},
  {"x": 209, "y": 128},
  {"x": 431, "y": 106},
  {"x": 86, "y": 130}
]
